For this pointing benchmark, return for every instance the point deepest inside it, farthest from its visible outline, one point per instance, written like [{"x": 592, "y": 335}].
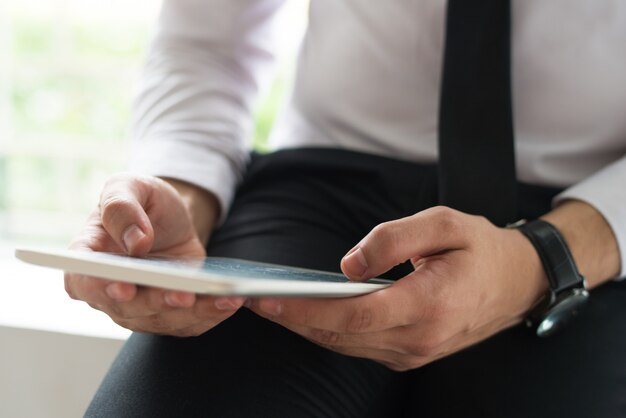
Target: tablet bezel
[{"x": 123, "y": 268}]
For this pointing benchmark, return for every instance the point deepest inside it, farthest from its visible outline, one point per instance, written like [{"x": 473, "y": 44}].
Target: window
[
  {"x": 67, "y": 69},
  {"x": 67, "y": 75}
]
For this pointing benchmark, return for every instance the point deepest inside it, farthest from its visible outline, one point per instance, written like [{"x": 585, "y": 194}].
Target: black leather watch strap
[{"x": 554, "y": 254}]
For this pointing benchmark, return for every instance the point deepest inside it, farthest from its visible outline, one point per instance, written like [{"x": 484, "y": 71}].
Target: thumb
[
  {"x": 429, "y": 232},
  {"x": 123, "y": 216}
]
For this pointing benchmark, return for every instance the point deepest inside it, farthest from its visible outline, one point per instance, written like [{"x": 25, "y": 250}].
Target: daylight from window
[{"x": 68, "y": 73}]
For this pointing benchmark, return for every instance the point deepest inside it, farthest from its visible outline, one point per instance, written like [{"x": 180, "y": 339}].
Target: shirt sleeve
[
  {"x": 192, "y": 118},
  {"x": 606, "y": 192}
]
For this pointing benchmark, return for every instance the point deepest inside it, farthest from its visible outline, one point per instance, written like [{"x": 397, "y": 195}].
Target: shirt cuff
[
  {"x": 187, "y": 162},
  {"x": 606, "y": 193}
]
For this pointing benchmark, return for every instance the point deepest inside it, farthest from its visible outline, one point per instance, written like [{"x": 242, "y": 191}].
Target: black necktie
[{"x": 476, "y": 147}]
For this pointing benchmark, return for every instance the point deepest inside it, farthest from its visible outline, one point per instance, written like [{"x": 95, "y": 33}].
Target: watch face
[{"x": 562, "y": 311}]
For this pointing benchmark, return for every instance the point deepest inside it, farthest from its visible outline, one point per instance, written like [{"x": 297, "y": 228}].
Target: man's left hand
[{"x": 471, "y": 280}]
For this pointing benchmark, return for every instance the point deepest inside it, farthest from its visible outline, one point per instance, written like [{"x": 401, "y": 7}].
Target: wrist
[
  {"x": 202, "y": 206},
  {"x": 530, "y": 273},
  {"x": 567, "y": 287},
  {"x": 589, "y": 238}
]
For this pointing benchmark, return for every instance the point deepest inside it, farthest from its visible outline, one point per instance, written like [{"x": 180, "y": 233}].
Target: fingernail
[
  {"x": 114, "y": 292},
  {"x": 225, "y": 304},
  {"x": 131, "y": 237},
  {"x": 170, "y": 299},
  {"x": 271, "y": 306},
  {"x": 355, "y": 263},
  {"x": 177, "y": 300}
]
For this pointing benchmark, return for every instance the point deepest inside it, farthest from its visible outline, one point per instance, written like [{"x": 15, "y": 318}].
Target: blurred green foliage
[
  {"x": 74, "y": 81},
  {"x": 70, "y": 95}
]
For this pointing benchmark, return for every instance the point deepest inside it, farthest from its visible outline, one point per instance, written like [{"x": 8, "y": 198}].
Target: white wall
[
  {"x": 54, "y": 351},
  {"x": 49, "y": 374}
]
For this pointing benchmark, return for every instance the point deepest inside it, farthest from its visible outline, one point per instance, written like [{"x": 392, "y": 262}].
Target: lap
[
  {"x": 248, "y": 366},
  {"x": 307, "y": 208},
  {"x": 245, "y": 367}
]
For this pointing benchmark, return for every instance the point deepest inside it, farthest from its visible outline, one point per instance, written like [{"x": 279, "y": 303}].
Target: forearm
[
  {"x": 194, "y": 107},
  {"x": 202, "y": 206},
  {"x": 590, "y": 239}
]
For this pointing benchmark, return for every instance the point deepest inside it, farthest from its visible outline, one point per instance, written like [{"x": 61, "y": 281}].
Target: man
[{"x": 354, "y": 178}]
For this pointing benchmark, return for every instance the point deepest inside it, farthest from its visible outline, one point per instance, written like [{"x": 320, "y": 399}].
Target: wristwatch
[{"x": 568, "y": 288}]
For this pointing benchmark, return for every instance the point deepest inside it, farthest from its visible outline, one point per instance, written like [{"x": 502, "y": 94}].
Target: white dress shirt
[{"x": 368, "y": 79}]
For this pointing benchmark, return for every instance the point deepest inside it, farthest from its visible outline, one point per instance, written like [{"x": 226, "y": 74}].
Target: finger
[
  {"x": 428, "y": 232},
  {"x": 210, "y": 315},
  {"x": 394, "y": 361},
  {"x": 372, "y": 340},
  {"x": 152, "y": 303},
  {"x": 147, "y": 302},
  {"x": 410, "y": 341},
  {"x": 94, "y": 237},
  {"x": 125, "y": 300},
  {"x": 402, "y": 340},
  {"x": 390, "y": 358},
  {"x": 425, "y": 343},
  {"x": 122, "y": 204},
  {"x": 404, "y": 303},
  {"x": 182, "y": 322},
  {"x": 94, "y": 290}
]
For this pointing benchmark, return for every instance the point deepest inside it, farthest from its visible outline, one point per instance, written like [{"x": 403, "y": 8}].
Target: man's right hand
[{"x": 139, "y": 215}]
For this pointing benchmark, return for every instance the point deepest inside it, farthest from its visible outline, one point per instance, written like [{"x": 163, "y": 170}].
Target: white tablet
[{"x": 215, "y": 276}]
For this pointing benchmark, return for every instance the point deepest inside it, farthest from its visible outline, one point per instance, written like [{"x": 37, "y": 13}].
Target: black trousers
[{"x": 307, "y": 208}]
